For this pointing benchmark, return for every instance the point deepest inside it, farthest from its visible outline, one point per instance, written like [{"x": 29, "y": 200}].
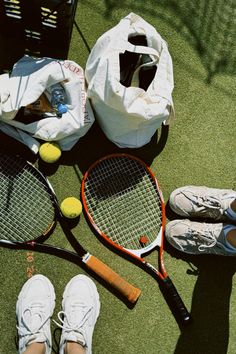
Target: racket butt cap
[{"x": 134, "y": 296}]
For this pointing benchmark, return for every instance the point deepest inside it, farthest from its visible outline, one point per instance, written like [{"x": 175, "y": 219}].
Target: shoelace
[
  {"x": 68, "y": 325},
  {"x": 35, "y": 310},
  {"x": 205, "y": 202},
  {"x": 207, "y": 236}
]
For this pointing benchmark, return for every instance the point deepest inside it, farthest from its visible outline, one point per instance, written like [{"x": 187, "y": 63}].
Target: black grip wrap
[{"x": 176, "y": 301}]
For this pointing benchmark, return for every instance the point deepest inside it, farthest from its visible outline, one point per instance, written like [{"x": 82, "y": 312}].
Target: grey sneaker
[
  {"x": 80, "y": 310},
  {"x": 34, "y": 308},
  {"x": 202, "y": 202},
  {"x": 198, "y": 237}
]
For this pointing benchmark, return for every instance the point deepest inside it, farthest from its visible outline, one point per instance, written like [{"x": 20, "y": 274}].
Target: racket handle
[
  {"x": 112, "y": 278},
  {"x": 176, "y": 300}
]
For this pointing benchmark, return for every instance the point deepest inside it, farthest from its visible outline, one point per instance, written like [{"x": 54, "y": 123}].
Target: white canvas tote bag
[
  {"x": 128, "y": 109},
  {"x": 28, "y": 80}
]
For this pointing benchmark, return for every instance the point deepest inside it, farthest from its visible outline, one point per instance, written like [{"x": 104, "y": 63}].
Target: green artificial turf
[{"x": 199, "y": 150}]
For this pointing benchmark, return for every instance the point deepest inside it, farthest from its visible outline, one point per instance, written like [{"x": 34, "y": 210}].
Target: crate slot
[
  {"x": 32, "y": 34},
  {"x": 12, "y": 9},
  {"x": 49, "y": 18}
]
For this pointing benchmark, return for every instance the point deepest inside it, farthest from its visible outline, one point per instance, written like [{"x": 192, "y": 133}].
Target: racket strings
[
  {"x": 124, "y": 202},
  {"x": 26, "y": 211}
]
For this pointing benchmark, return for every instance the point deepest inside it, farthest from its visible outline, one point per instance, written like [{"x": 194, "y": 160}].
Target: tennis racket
[
  {"x": 28, "y": 213},
  {"x": 124, "y": 203}
]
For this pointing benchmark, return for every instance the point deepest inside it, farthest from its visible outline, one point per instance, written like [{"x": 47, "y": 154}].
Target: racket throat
[
  {"x": 86, "y": 257},
  {"x": 150, "y": 267}
]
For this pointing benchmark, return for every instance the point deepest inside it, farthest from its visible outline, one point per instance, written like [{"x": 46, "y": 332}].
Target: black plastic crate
[{"x": 35, "y": 27}]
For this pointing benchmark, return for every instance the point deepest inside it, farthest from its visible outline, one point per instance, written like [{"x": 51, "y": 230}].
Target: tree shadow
[{"x": 207, "y": 25}]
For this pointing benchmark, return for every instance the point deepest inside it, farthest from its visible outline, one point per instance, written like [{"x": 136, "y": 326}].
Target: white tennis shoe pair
[
  {"x": 35, "y": 306},
  {"x": 195, "y": 237}
]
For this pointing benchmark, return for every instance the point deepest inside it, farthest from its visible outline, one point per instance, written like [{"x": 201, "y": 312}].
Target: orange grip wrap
[{"x": 112, "y": 278}]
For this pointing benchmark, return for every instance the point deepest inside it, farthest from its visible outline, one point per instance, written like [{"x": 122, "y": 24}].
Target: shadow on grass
[
  {"x": 11, "y": 145},
  {"x": 210, "y": 308},
  {"x": 209, "y": 332},
  {"x": 95, "y": 145}
]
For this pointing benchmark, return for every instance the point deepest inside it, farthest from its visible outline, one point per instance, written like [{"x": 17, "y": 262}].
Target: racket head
[
  {"x": 27, "y": 205},
  {"x": 124, "y": 203},
  {"x": 28, "y": 211}
]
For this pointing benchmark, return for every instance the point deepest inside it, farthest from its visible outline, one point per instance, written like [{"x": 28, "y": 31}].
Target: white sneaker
[
  {"x": 80, "y": 310},
  {"x": 34, "y": 308},
  {"x": 198, "y": 237},
  {"x": 203, "y": 202}
]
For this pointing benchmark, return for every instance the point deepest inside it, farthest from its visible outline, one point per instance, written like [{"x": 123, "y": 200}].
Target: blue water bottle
[{"x": 58, "y": 99}]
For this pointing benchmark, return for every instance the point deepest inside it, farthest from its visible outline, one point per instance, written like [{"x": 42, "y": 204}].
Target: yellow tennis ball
[
  {"x": 49, "y": 152},
  {"x": 71, "y": 207}
]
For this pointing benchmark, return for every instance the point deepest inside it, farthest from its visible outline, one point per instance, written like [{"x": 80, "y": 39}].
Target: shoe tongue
[
  {"x": 39, "y": 338},
  {"x": 76, "y": 337},
  {"x": 77, "y": 315},
  {"x": 76, "y": 319}
]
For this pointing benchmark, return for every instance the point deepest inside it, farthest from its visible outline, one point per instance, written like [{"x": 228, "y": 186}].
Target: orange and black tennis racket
[
  {"x": 28, "y": 213},
  {"x": 124, "y": 203}
]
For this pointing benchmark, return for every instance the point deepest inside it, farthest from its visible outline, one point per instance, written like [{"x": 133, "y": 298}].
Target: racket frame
[
  {"x": 159, "y": 240},
  {"x": 179, "y": 308}
]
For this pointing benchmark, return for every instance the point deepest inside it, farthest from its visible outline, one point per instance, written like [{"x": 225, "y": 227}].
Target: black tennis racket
[
  {"x": 29, "y": 210},
  {"x": 124, "y": 203}
]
